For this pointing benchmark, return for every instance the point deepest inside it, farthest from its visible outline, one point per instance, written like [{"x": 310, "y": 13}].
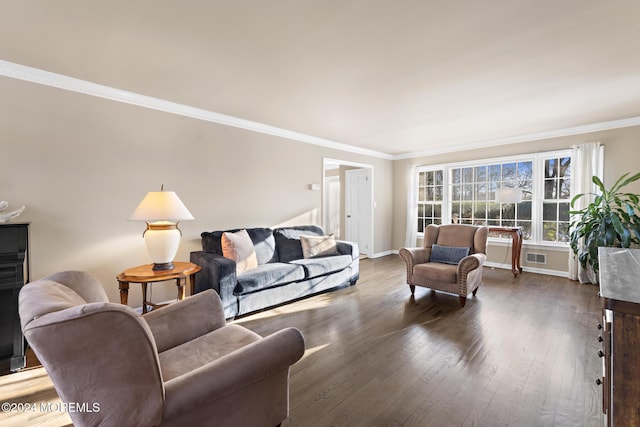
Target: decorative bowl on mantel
[{"x": 8, "y": 216}]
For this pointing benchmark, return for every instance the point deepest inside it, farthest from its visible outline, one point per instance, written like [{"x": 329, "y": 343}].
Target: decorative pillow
[
  {"x": 288, "y": 240},
  {"x": 317, "y": 246},
  {"x": 239, "y": 247},
  {"x": 448, "y": 254}
]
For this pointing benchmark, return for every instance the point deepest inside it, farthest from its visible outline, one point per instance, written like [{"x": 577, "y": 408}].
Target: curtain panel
[
  {"x": 587, "y": 160},
  {"x": 411, "y": 237}
]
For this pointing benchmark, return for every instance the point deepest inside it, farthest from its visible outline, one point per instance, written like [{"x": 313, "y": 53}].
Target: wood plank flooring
[{"x": 521, "y": 353}]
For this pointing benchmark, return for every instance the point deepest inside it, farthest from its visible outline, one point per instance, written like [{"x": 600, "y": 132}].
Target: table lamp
[
  {"x": 508, "y": 195},
  {"x": 161, "y": 210}
]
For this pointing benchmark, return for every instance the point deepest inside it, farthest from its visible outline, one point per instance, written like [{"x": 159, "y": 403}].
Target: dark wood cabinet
[
  {"x": 620, "y": 328},
  {"x": 14, "y": 273}
]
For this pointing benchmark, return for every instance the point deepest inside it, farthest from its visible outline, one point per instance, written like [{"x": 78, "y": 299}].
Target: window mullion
[
  {"x": 446, "y": 195},
  {"x": 537, "y": 197}
]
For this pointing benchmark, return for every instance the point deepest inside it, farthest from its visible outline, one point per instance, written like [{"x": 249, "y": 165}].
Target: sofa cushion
[
  {"x": 204, "y": 349},
  {"x": 315, "y": 267},
  {"x": 288, "y": 240},
  {"x": 239, "y": 247},
  {"x": 435, "y": 272},
  {"x": 448, "y": 254},
  {"x": 267, "y": 275},
  {"x": 262, "y": 238},
  {"x": 318, "y": 246}
]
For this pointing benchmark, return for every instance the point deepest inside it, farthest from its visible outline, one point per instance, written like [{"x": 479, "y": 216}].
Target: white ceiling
[{"x": 393, "y": 76}]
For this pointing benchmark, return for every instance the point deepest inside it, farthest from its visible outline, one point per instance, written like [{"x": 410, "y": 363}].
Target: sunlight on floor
[
  {"x": 310, "y": 351},
  {"x": 300, "y": 306}
]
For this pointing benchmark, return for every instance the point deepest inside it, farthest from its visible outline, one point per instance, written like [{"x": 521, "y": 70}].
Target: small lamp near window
[
  {"x": 162, "y": 210},
  {"x": 508, "y": 195}
]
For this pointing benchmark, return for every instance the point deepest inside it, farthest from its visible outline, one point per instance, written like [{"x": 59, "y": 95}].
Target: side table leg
[
  {"x": 144, "y": 298},
  {"x": 519, "y": 251},
  {"x": 180, "y": 281},
  {"x": 192, "y": 284},
  {"x": 514, "y": 253},
  {"x": 124, "y": 292}
]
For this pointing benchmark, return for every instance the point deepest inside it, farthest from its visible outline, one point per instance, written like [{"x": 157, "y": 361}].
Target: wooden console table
[
  {"x": 145, "y": 274},
  {"x": 516, "y": 250}
]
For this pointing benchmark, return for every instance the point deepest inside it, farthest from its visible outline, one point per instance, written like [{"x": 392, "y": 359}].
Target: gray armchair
[
  {"x": 179, "y": 365},
  {"x": 454, "y": 270}
]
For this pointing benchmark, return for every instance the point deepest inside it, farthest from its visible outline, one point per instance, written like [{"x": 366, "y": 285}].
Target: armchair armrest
[
  {"x": 185, "y": 320},
  {"x": 470, "y": 263},
  {"x": 234, "y": 371},
  {"x": 217, "y": 273},
  {"x": 415, "y": 256}
]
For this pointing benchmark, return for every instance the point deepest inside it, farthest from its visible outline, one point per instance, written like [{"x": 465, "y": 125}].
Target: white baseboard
[
  {"x": 385, "y": 253},
  {"x": 529, "y": 269}
]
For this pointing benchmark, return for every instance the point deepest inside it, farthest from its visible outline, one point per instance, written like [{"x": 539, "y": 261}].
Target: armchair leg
[
  {"x": 463, "y": 300},
  {"x": 475, "y": 291},
  {"x": 413, "y": 289}
]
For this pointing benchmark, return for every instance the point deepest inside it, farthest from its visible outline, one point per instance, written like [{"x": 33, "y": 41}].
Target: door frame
[{"x": 326, "y": 163}]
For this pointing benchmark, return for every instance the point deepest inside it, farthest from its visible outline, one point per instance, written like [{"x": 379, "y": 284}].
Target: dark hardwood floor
[{"x": 521, "y": 353}]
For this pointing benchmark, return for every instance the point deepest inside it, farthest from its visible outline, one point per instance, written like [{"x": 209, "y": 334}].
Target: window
[
  {"x": 556, "y": 199},
  {"x": 466, "y": 193},
  {"x": 430, "y": 194},
  {"x": 473, "y": 194}
]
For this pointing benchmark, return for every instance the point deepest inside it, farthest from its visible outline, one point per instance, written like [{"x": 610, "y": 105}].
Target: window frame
[
  {"x": 537, "y": 196},
  {"x": 432, "y": 202}
]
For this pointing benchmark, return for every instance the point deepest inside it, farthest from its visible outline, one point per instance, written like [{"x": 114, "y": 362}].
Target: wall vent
[{"x": 536, "y": 258}]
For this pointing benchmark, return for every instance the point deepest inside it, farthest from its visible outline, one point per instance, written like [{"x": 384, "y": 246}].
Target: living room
[{"x": 81, "y": 160}]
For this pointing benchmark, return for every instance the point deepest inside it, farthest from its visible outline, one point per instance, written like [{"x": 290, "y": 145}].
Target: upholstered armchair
[
  {"x": 181, "y": 365},
  {"x": 450, "y": 260}
]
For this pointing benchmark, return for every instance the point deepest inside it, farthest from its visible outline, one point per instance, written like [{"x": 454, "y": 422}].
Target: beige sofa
[{"x": 181, "y": 365}]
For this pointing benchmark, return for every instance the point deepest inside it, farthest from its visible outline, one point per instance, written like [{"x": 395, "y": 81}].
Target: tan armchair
[
  {"x": 181, "y": 365},
  {"x": 462, "y": 278}
]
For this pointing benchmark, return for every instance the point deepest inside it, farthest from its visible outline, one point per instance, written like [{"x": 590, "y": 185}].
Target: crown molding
[
  {"x": 577, "y": 130},
  {"x": 47, "y": 78}
]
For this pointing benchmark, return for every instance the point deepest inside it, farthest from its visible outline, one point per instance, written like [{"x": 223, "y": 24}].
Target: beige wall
[
  {"x": 82, "y": 164},
  {"x": 621, "y": 153}
]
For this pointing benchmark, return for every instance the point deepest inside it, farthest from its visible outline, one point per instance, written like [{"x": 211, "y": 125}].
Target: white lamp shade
[
  {"x": 508, "y": 195},
  {"x": 161, "y": 206}
]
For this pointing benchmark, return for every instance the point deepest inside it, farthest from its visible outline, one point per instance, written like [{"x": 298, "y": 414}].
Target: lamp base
[{"x": 163, "y": 266}]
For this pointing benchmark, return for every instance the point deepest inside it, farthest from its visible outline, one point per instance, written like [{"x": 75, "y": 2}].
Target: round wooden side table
[{"x": 145, "y": 274}]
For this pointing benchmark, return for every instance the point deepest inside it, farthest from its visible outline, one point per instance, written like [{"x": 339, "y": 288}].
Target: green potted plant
[{"x": 611, "y": 220}]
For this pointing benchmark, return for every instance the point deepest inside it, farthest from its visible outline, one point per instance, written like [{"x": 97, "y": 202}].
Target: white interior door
[
  {"x": 332, "y": 205},
  {"x": 358, "y": 208}
]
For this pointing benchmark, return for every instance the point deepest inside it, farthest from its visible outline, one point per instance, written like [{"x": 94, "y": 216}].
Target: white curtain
[
  {"x": 411, "y": 238},
  {"x": 587, "y": 160}
]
